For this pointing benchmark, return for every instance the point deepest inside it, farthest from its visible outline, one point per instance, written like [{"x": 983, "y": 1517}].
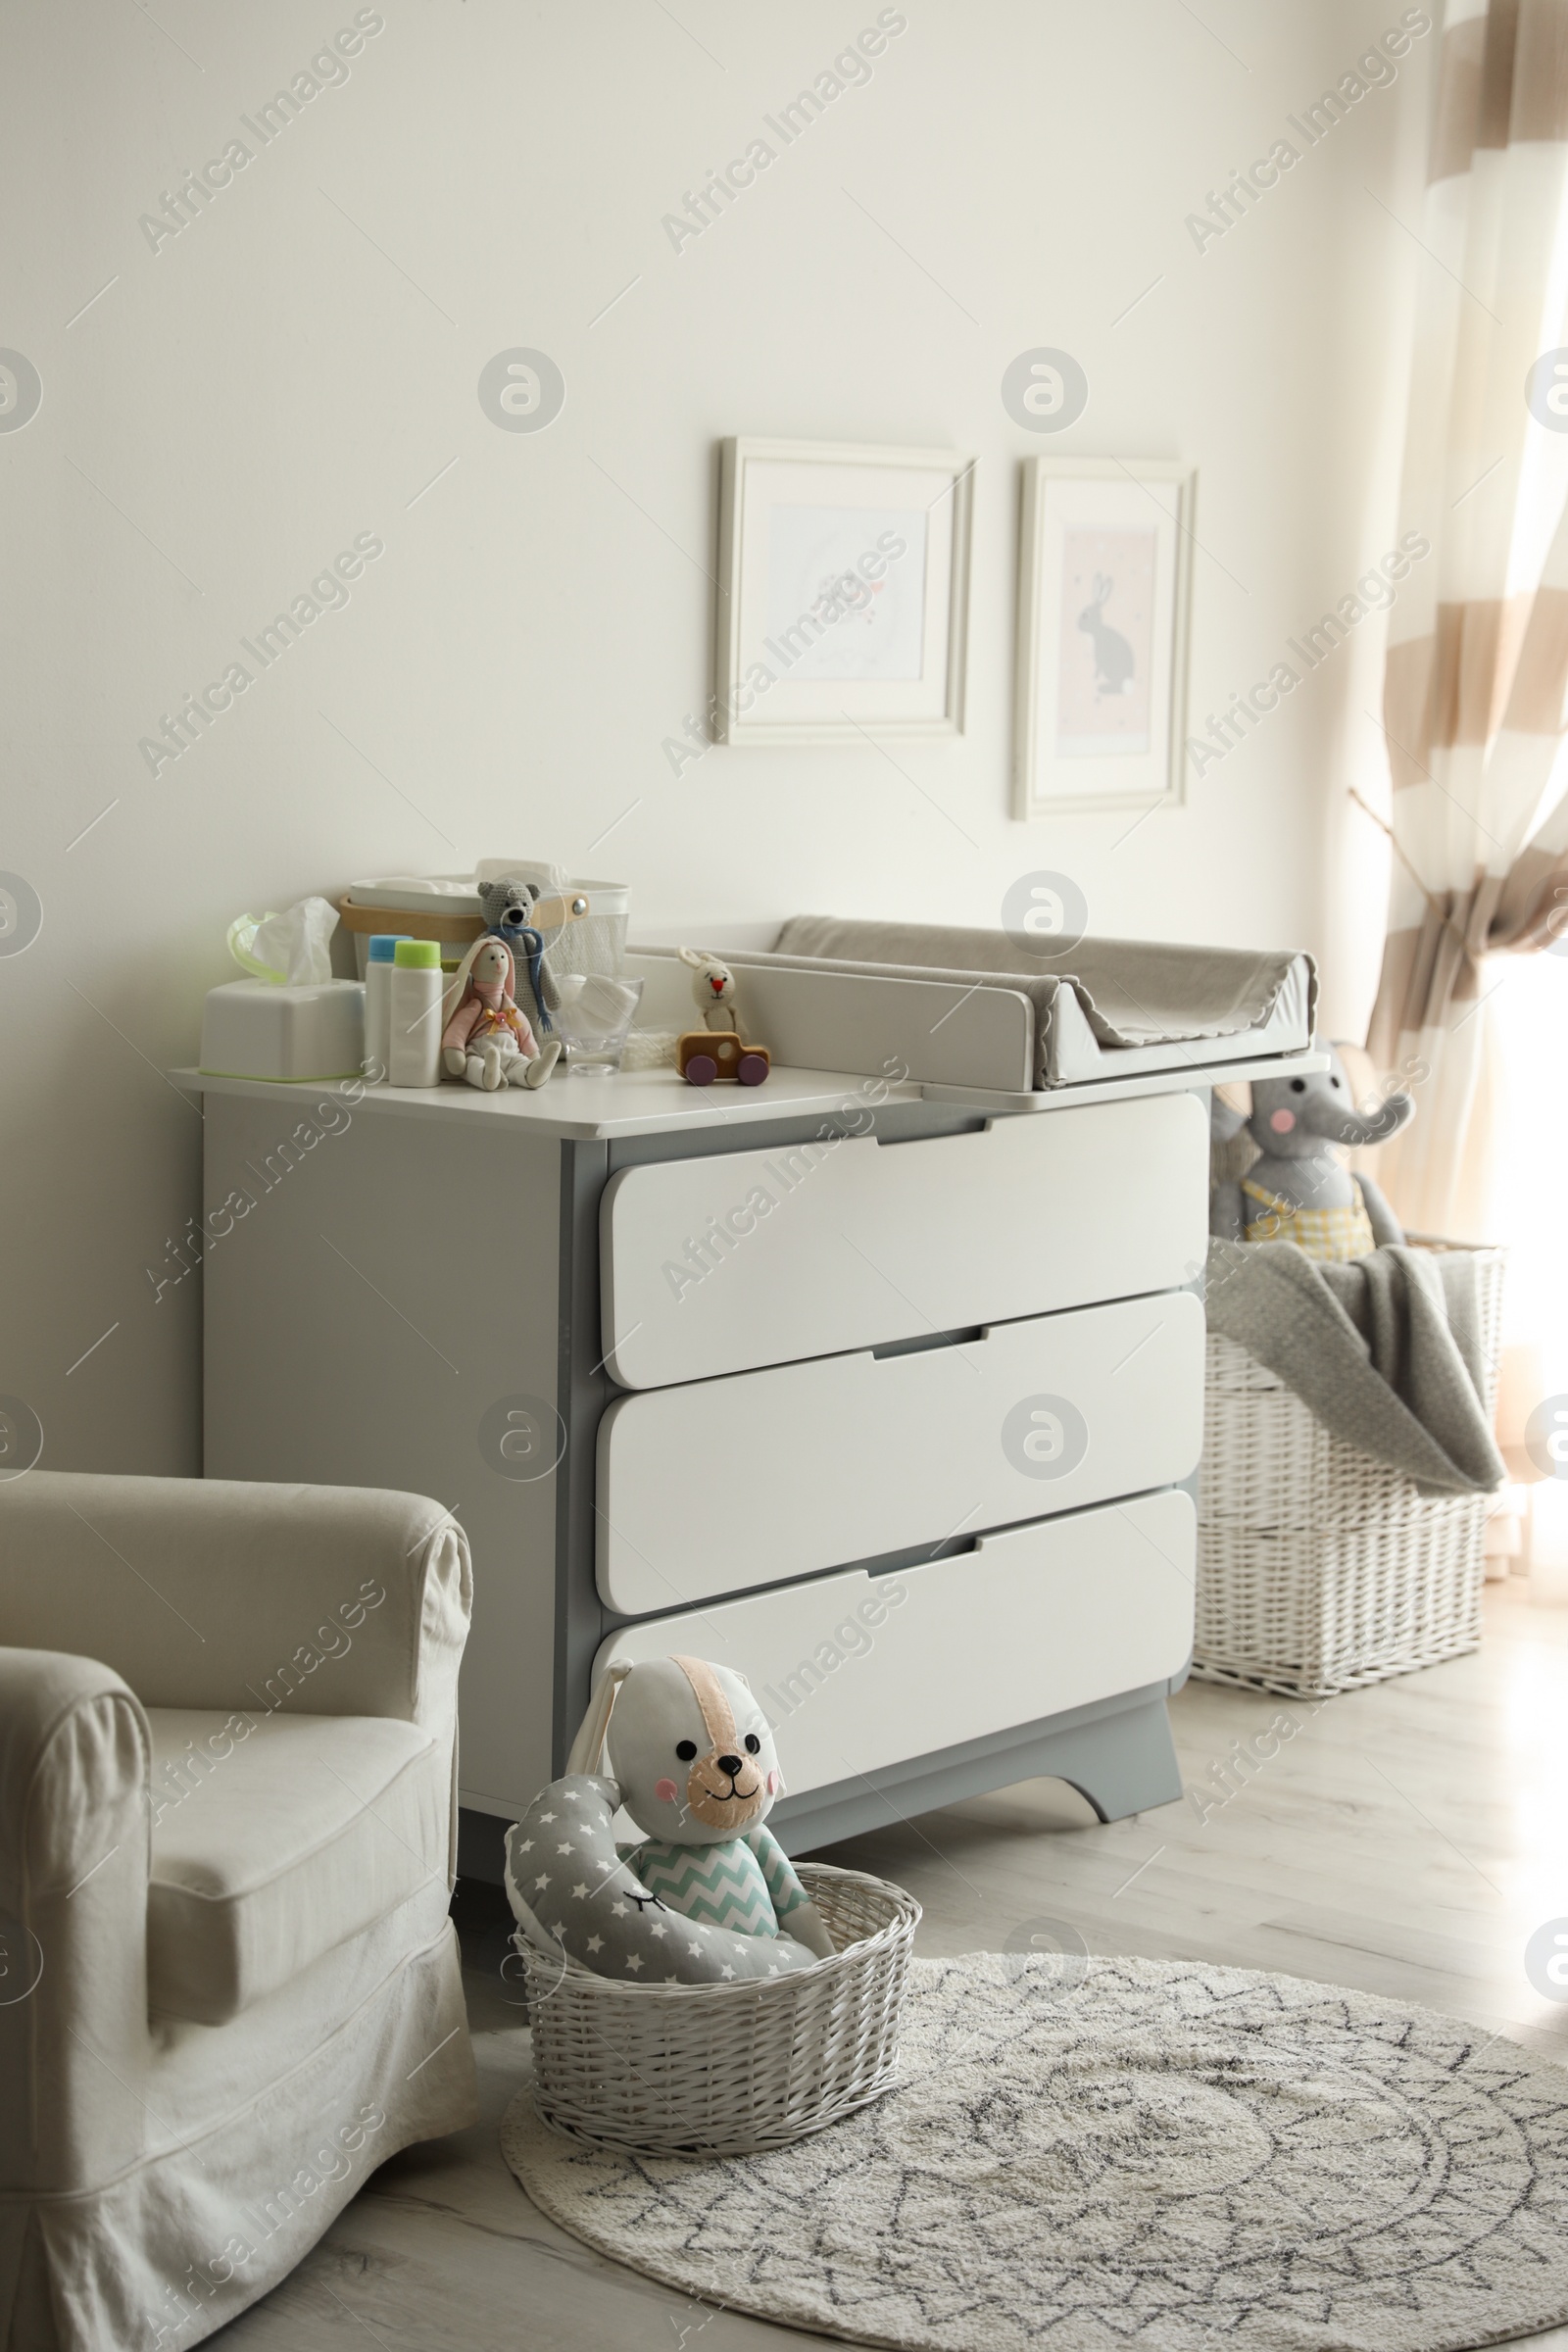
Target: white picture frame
[
  {"x": 1105, "y": 590},
  {"x": 843, "y": 592}
]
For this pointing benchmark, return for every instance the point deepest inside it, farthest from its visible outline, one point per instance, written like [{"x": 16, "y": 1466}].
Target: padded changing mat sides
[{"x": 1104, "y": 1006}]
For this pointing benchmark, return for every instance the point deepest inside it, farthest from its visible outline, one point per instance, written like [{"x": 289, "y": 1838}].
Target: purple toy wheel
[
  {"x": 750, "y": 1069},
  {"x": 701, "y": 1070}
]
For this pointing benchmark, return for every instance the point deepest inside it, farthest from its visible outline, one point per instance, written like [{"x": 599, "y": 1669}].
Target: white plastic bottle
[
  {"x": 414, "y": 1057},
  {"x": 379, "y": 1004}
]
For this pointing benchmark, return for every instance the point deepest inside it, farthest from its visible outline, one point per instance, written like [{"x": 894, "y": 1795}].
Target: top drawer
[{"x": 761, "y": 1258}]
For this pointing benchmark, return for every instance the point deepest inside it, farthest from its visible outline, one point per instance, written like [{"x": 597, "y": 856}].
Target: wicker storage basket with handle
[{"x": 1318, "y": 1568}]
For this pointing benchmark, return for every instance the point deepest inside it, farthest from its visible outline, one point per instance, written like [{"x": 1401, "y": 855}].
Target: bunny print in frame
[{"x": 1105, "y": 569}]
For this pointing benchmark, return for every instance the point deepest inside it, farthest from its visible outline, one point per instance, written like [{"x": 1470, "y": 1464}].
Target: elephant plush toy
[{"x": 1298, "y": 1190}]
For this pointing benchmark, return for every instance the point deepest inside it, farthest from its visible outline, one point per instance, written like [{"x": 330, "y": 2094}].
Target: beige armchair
[{"x": 229, "y": 1984}]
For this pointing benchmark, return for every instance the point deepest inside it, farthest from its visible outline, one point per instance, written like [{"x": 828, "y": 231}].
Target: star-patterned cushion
[{"x": 570, "y": 1890}]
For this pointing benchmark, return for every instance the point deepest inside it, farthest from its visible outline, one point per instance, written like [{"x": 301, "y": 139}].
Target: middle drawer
[{"x": 763, "y": 1476}]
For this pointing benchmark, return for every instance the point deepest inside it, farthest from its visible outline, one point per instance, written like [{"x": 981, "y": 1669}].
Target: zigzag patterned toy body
[
  {"x": 745, "y": 1885},
  {"x": 575, "y": 1897}
]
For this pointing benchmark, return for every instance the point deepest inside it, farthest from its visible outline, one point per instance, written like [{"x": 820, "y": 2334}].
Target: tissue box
[{"x": 257, "y": 1029}]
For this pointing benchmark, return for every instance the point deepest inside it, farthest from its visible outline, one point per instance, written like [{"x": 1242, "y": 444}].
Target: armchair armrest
[
  {"x": 214, "y": 1592},
  {"x": 74, "y": 1757}
]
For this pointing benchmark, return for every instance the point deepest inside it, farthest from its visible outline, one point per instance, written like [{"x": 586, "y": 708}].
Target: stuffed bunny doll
[
  {"x": 485, "y": 1036},
  {"x": 714, "y": 990},
  {"x": 718, "y": 1049},
  {"x": 1297, "y": 1187},
  {"x": 694, "y": 1759}
]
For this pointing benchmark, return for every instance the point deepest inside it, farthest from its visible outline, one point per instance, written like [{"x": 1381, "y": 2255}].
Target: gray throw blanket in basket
[{"x": 1386, "y": 1350}]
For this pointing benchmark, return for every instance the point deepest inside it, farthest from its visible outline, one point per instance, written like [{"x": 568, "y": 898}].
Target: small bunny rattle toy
[{"x": 718, "y": 1049}]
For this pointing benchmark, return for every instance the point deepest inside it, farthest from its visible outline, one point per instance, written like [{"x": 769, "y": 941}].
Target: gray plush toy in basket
[
  {"x": 695, "y": 1995},
  {"x": 1322, "y": 1563}
]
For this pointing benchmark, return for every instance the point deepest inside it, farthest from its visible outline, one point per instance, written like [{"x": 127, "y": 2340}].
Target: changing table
[{"x": 887, "y": 1393}]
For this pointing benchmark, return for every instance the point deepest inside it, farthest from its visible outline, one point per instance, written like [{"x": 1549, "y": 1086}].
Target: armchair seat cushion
[{"x": 276, "y": 1838}]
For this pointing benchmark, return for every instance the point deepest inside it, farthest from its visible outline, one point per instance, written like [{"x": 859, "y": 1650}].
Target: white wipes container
[
  {"x": 262, "y": 1029},
  {"x": 414, "y": 1057}
]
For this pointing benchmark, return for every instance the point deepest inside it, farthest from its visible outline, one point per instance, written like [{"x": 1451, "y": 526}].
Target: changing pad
[{"x": 1106, "y": 1006}]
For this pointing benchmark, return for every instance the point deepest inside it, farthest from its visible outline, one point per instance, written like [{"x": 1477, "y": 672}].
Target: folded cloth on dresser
[
  {"x": 1132, "y": 992},
  {"x": 1385, "y": 1350}
]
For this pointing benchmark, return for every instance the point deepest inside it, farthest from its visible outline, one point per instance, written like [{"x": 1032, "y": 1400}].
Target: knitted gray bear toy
[
  {"x": 1298, "y": 1189},
  {"x": 509, "y": 912}
]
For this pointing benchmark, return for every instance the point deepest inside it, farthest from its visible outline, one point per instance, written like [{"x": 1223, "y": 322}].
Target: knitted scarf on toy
[{"x": 531, "y": 946}]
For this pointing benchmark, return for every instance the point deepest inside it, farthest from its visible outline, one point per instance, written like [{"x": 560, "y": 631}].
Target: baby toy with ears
[
  {"x": 1297, "y": 1187},
  {"x": 718, "y": 1050},
  {"x": 487, "y": 1038},
  {"x": 695, "y": 1761},
  {"x": 714, "y": 988}
]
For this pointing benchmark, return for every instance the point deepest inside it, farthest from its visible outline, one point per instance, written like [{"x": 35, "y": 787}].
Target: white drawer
[
  {"x": 760, "y": 1258},
  {"x": 859, "y": 1672},
  {"x": 727, "y": 1484}
]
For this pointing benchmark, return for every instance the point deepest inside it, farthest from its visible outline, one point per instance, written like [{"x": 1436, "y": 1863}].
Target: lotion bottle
[
  {"x": 414, "y": 1056},
  {"x": 379, "y": 1004}
]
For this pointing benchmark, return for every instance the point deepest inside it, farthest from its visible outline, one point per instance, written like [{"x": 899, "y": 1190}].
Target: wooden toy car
[{"x": 704, "y": 1055}]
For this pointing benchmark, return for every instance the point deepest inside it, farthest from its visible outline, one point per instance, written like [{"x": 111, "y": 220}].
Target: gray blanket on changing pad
[
  {"x": 1386, "y": 1350},
  {"x": 1134, "y": 992}
]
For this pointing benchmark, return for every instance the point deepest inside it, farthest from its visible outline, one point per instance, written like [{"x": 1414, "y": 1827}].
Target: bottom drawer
[{"x": 857, "y": 1672}]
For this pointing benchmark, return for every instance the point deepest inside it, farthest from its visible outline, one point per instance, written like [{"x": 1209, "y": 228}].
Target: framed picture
[
  {"x": 843, "y": 592},
  {"x": 1105, "y": 571}
]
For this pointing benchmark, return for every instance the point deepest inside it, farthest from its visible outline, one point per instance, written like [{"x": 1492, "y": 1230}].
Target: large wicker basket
[
  {"x": 1318, "y": 1568},
  {"x": 718, "y": 2070}
]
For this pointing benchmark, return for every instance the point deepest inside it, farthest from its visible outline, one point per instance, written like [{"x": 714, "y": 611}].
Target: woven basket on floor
[
  {"x": 1318, "y": 1568},
  {"x": 724, "y": 2069}
]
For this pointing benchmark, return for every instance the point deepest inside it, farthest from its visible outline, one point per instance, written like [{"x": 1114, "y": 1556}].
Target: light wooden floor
[{"x": 1405, "y": 1841}]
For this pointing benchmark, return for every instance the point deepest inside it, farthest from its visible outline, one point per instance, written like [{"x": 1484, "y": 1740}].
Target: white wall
[{"x": 279, "y": 377}]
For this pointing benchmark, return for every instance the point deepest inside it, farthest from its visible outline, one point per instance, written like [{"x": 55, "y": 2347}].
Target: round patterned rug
[{"x": 1164, "y": 2155}]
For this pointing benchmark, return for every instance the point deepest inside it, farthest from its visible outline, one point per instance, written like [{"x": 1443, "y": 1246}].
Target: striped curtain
[{"x": 1474, "y": 699}]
